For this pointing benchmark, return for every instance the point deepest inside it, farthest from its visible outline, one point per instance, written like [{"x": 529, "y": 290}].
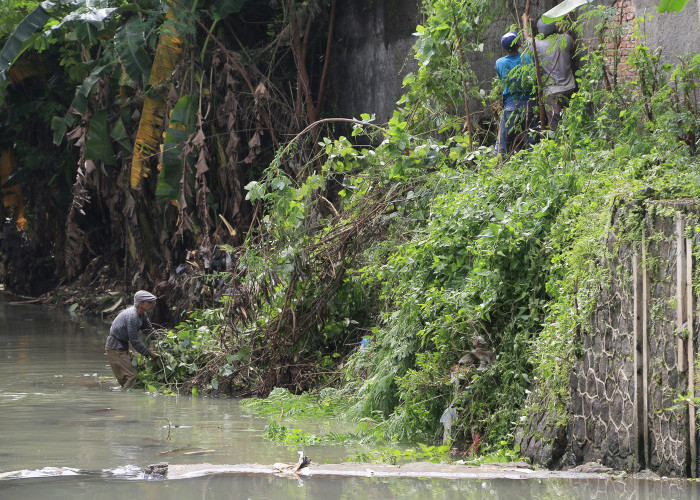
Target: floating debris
[
  {"x": 124, "y": 471},
  {"x": 170, "y": 451},
  {"x": 156, "y": 471},
  {"x": 100, "y": 410},
  {"x": 303, "y": 461}
]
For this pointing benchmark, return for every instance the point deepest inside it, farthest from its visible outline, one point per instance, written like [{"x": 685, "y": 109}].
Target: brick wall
[{"x": 623, "y": 41}]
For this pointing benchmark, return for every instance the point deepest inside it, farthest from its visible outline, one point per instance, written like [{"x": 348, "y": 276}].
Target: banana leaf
[
  {"x": 87, "y": 23},
  {"x": 59, "y": 125},
  {"x": 564, "y": 8},
  {"x": 15, "y": 43},
  {"x": 79, "y": 103},
  {"x": 179, "y": 128},
  {"x": 86, "y": 34},
  {"x": 120, "y": 135},
  {"x": 84, "y": 14},
  {"x": 130, "y": 44},
  {"x": 98, "y": 146},
  {"x": 149, "y": 132}
]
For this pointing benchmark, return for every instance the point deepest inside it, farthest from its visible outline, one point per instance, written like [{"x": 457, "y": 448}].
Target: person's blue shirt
[{"x": 515, "y": 88}]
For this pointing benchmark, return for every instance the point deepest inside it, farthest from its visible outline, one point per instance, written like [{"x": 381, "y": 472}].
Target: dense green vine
[{"x": 380, "y": 267}]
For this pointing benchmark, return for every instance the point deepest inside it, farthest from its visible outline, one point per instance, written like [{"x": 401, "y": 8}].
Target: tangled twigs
[
  {"x": 315, "y": 283},
  {"x": 285, "y": 349}
]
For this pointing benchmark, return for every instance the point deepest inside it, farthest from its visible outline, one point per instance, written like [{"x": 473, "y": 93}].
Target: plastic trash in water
[{"x": 448, "y": 416}]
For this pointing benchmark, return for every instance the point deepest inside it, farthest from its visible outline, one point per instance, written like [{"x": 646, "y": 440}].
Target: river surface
[{"x": 67, "y": 431}]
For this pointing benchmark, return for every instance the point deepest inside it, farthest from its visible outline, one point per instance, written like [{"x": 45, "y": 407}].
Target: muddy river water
[{"x": 66, "y": 431}]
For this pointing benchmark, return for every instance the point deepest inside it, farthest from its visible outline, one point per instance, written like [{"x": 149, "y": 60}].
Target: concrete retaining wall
[{"x": 372, "y": 49}]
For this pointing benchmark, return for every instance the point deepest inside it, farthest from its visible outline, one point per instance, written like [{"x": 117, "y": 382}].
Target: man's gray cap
[
  {"x": 143, "y": 296},
  {"x": 546, "y": 29}
]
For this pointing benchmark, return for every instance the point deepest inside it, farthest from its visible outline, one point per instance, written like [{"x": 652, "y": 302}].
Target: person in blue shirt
[{"x": 518, "y": 114}]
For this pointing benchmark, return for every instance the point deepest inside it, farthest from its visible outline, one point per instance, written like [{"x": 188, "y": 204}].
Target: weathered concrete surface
[
  {"x": 373, "y": 52},
  {"x": 677, "y": 32},
  {"x": 373, "y": 46}
]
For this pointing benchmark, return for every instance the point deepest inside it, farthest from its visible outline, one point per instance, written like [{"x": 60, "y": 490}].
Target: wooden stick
[
  {"x": 640, "y": 388},
  {"x": 538, "y": 68},
  {"x": 468, "y": 117},
  {"x": 680, "y": 290},
  {"x": 645, "y": 348},
  {"x": 691, "y": 355}
]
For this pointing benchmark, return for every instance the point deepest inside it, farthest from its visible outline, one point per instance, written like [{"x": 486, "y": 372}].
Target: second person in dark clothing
[{"x": 556, "y": 56}]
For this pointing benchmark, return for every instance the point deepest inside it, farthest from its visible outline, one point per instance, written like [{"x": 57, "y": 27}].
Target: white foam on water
[
  {"x": 124, "y": 471},
  {"x": 45, "y": 472},
  {"x": 14, "y": 396}
]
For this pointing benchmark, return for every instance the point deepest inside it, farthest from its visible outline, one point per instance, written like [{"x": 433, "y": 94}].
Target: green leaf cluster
[{"x": 481, "y": 253}]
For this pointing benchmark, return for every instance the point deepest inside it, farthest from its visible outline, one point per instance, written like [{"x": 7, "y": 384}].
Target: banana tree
[
  {"x": 152, "y": 117},
  {"x": 87, "y": 17},
  {"x": 17, "y": 41}
]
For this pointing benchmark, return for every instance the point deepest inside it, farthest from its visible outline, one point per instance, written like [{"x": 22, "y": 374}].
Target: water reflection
[
  {"x": 270, "y": 487},
  {"x": 73, "y": 434}
]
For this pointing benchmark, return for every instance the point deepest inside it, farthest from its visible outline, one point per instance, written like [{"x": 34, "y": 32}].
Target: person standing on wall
[
  {"x": 518, "y": 116},
  {"x": 124, "y": 331},
  {"x": 556, "y": 56}
]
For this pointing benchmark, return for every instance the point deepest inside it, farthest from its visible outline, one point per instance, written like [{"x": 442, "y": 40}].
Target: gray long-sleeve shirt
[
  {"x": 556, "y": 53},
  {"x": 125, "y": 329}
]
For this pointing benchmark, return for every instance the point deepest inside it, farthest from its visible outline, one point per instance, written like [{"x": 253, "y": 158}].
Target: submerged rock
[{"x": 156, "y": 471}]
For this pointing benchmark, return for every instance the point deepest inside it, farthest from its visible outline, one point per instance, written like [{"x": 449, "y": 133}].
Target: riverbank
[{"x": 97, "y": 292}]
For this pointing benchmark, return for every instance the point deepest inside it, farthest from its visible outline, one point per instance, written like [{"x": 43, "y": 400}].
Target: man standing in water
[{"x": 124, "y": 330}]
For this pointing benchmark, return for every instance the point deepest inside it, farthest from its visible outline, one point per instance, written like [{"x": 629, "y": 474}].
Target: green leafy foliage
[
  {"x": 15, "y": 43},
  {"x": 184, "y": 351},
  {"x": 179, "y": 128},
  {"x": 397, "y": 456},
  {"x": 131, "y": 46},
  {"x": 380, "y": 259},
  {"x": 99, "y": 143},
  {"x": 671, "y": 5},
  {"x": 491, "y": 255}
]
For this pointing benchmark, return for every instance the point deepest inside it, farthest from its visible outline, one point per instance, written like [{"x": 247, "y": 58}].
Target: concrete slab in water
[{"x": 413, "y": 470}]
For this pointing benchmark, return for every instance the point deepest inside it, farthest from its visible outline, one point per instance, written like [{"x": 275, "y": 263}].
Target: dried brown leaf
[
  {"x": 261, "y": 91},
  {"x": 202, "y": 165},
  {"x": 199, "y": 139}
]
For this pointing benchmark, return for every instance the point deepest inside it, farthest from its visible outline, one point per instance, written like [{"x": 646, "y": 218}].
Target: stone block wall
[
  {"x": 603, "y": 385},
  {"x": 667, "y": 372},
  {"x": 640, "y": 354}
]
